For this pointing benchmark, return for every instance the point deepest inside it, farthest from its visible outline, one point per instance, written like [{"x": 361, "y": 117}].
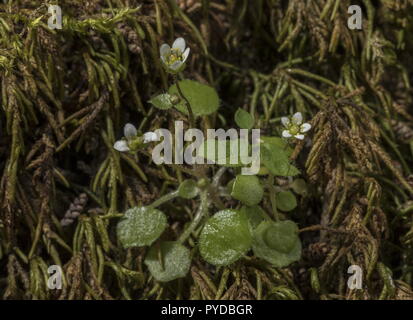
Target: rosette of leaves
[{"x": 277, "y": 242}]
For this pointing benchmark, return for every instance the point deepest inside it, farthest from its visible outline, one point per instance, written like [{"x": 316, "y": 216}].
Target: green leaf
[
  {"x": 300, "y": 187},
  {"x": 176, "y": 261},
  {"x": 277, "y": 242},
  {"x": 286, "y": 201},
  {"x": 140, "y": 226},
  {"x": 276, "y": 160},
  {"x": 188, "y": 189},
  {"x": 247, "y": 189},
  {"x": 255, "y": 215},
  {"x": 281, "y": 236},
  {"x": 244, "y": 119},
  {"x": 278, "y": 142},
  {"x": 225, "y": 238},
  {"x": 202, "y": 98},
  {"x": 162, "y": 101}
]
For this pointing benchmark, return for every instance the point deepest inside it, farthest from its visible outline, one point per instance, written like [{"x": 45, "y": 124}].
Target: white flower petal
[
  {"x": 176, "y": 65},
  {"x": 305, "y": 127},
  {"x": 185, "y": 54},
  {"x": 129, "y": 131},
  {"x": 121, "y": 146},
  {"x": 164, "y": 50},
  {"x": 299, "y": 136},
  {"x": 297, "y": 118},
  {"x": 286, "y": 134},
  {"x": 285, "y": 121},
  {"x": 150, "y": 137},
  {"x": 179, "y": 43}
]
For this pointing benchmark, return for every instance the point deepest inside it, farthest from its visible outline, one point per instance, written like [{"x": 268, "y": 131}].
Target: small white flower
[
  {"x": 131, "y": 141},
  {"x": 150, "y": 137},
  {"x": 175, "y": 57},
  {"x": 121, "y": 145},
  {"x": 130, "y": 132},
  {"x": 295, "y": 126}
]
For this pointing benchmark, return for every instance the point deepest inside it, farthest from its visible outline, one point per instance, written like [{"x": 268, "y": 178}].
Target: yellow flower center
[
  {"x": 294, "y": 129},
  {"x": 135, "y": 143},
  {"x": 174, "y": 56}
]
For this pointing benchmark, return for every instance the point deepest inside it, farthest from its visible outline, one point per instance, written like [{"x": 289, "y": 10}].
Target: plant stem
[
  {"x": 187, "y": 104},
  {"x": 164, "y": 199},
  {"x": 270, "y": 184},
  {"x": 222, "y": 283},
  {"x": 218, "y": 175},
  {"x": 197, "y": 219}
]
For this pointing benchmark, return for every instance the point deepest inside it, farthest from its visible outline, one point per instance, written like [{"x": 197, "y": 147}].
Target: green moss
[{"x": 66, "y": 95}]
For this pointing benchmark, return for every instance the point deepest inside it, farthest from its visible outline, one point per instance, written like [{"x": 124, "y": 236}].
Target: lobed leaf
[
  {"x": 140, "y": 226},
  {"x": 176, "y": 261},
  {"x": 225, "y": 238},
  {"x": 202, "y": 98},
  {"x": 277, "y": 242}
]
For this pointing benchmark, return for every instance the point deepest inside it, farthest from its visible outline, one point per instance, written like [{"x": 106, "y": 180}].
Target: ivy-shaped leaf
[
  {"x": 277, "y": 242},
  {"x": 225, "y": 238},
  {"x": 244, "y": 119},
  {"x": 202, "y": 98},
  {"x": 247, "y": 189},
  {"x": 286, "y": 201},
  {"x": 162, "y": 101},
  {"x": 175, "y": 264},
  {"x": 140, "y": 226}
]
